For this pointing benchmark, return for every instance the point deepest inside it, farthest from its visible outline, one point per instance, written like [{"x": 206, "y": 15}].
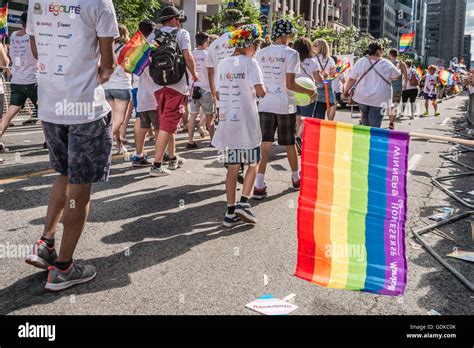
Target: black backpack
[{"x": 167, "y": 65}]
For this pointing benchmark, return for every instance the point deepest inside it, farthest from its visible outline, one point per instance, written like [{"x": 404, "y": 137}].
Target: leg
[
  {"x": 123, "y": 129},
  {"x": 191, "y": 125},
  {"x": 375, "y": 116},
  {"x": 266, "y": 149},
  {"x": 210, "y": 124},
  {"x": 249, "y": 180},
  {"x": 292, "y": 157},
  {"x": 231, "y": 183},
  {"x": 13, "y": 110},
  {"x": 119, "y": 111},
  {"x": 161, "y": 145},
  {"x": 74, "y": 219},
  {"x": 57, "y": 201}
]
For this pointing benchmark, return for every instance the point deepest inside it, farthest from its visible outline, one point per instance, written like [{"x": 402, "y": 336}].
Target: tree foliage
[
  {"x": 247, "y": 8},
  {"x": 132, "y": 12}
]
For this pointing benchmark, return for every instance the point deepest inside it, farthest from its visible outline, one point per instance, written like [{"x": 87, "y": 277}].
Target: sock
[
  {"x": 174, "y": 158},
  {"x": 157, "y": 164},
  {"x": 63, "y": 265},
  {"x": 260, "y": 181},
  {"x": 295, "y": 175},
  {"x": 231, "y": 209},
  {"x": 244, "y": 199},
  {"x": 49, "y": 242}
]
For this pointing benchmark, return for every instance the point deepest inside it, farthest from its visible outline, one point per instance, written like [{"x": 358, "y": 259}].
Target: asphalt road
[{"x": 160, "y": 247}]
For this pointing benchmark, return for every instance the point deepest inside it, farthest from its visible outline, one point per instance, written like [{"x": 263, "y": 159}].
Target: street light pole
[{"x": 270, "y": 17}]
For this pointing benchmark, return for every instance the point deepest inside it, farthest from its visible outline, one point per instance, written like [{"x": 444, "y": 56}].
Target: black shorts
[
  {"x": 148, "y": 118},
  {"x": 286, "y": 125},
  {"x": 320, "y": 110},
  {"x": 20, "y": 93},
  {"x": 410, "y": 94}
]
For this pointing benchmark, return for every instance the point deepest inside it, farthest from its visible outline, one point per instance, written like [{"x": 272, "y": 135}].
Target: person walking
[
  {"x": 410, "y": 89},
  {"x": 325, "y": 90},
  {"x": 397, "y": 87},
  {"x": 370, "y": 84}
]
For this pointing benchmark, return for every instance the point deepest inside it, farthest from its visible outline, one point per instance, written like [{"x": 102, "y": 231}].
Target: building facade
[
  {"x": 383, "y": 20},
  {"x": 356, "y": 13},
  {"x": 445, "y": 24},
  {"x": 467, "y": 51}
]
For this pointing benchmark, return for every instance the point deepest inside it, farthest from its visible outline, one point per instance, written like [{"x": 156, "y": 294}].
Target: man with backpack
[
  {"x": 410, "y": 88},
  {"x": 168, "y": 71}
]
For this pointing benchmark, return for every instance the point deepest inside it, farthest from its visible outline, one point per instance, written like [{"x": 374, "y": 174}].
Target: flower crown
[{"x": 244, "y": 36}]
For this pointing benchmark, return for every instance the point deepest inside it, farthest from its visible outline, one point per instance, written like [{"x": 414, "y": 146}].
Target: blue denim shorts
[
  {"x": 121, "y": 94},
  {"x": 306, "y": 111}
]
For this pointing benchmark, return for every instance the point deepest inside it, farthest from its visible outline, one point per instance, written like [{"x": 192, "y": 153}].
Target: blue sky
[{"x": 470, "y": 22}]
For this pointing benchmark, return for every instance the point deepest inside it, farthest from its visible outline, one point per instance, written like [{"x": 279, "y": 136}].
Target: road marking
[
  {"x": 50, "y": 171},
  {"x": 413, "y": 162},
  {"x": 10, "y": 134},
  {"x": 289, "y": 297},
  {"x": 445, "y": 121}
]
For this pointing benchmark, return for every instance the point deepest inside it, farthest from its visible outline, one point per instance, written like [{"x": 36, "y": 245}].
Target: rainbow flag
[
  {"x": 419, "y": 73},
  {"x": 457, "y": 89},
  {"x": 135, "y": 55},
  {"x": 352, "y": 207},
  {"x": 4, "y": 19},
  {"x": 338, "y": 71},
  {"x": 405, "y": 41},
  {"x": 447, "y": 77}
]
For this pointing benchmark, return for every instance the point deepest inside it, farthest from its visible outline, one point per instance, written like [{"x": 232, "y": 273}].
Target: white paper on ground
[{"x": 270, "y": 305}]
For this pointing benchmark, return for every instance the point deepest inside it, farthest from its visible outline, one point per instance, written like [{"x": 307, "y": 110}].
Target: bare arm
[
  {"x": 107, "y": 58},
  {"x": 318, "y": 77},
  {"x": 4, "y": 60},
  {"x": 261, "y": 91},
  {"x": 34, "y": 49},
  {"x": 348, "y": 86},
  {"x": 190, "y": 64},
  {"x": 212, "y": 81}
]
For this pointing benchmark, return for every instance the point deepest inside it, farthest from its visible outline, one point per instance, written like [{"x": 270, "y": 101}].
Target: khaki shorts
[{"x": 205, "y": 102}]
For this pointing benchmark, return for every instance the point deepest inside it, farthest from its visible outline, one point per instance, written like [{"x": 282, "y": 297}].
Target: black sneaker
[
  {"x": 231, "y": 220},
  {"x": 192, "y": 146},
  {"x": 296, "y": 184},
  {"x": 243, "y": 211},
  {"x": 3, "y": 148},
  {"x": 140, "y": 162}
]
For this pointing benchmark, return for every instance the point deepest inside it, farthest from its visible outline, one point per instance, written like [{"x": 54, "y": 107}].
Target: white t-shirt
[
  {"x": 326, "y": 63},
  {"x": 410, "y": 73},
  {"x": 337, "y": 84},
  {"x": 372, "y": 90},
  {"x": 69, "y": 90},
  {"x": 308, "y": 67},
  {"x": 239, "y": 125},
  {"x": 24, "y": 65},
  {"x": 200, "y": 58},
  {"x": 146, "y": 100},
  {"x": 430, "y": 84},
  {"x": 276, "y": 61},
  {"x": 218, "y": 50},
  {"x": 184, "y": 42},
  {"x": 120, "y": 79}
]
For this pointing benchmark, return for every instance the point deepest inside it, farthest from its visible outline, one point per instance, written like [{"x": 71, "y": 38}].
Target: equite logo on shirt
[
  {"x": 60, "y": 9},
  {"x": 235, "y": 76},
  {"x": 276, "y": 59}
]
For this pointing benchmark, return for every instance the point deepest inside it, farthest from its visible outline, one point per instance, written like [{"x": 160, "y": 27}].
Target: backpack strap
[
  {"x": 372, "y": 67},
  {"x": 304, "y": 70},
  {"x": 119, "y": 48},
  {"x": 321, "y": 65}
]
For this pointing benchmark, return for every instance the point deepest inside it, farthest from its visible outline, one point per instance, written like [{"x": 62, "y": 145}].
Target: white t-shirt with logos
[
  {"x": 66, "y": 32},
  {"x": 24, "y": 65},
  {"x": 276, "y": 61},
  {"x": 120, "y": 79},
  {"x": 308, "y": 67},
  {"x": 184, "y": 43},
  {"x": 218, "y": 50},
  {"x": 239, "y": 124},
  {"x": 430, "y": 84},
  {"x": 372, "y": 90},
  {"x": 200, "y": 58}
]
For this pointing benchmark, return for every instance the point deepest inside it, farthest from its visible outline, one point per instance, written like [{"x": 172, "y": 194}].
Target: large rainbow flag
[
  {"x": 3, "y": 19},
  {"x": 352, "y": 207},
  {"x": 419, "y": 73},
  {"x": 135, "y": 55},
  {"x": 405, "y": 41}
]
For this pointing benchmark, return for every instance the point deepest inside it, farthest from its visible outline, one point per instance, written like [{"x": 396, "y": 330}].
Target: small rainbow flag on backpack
[{"x": 135, "y": 55}]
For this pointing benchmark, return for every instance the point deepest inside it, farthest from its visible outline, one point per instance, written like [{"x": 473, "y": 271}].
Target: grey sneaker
[
  {"x": 42, "y": 255},
  {"x": 177, "y": 163},
  {"x": 76, "y": 274},
  {"x": 156, "y": 172},
  {"x": 243, "y": 211},
  {"x": 231, "y": 220}
]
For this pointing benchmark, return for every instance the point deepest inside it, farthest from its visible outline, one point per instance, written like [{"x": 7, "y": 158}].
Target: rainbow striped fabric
[
  {"x": 4, "y": 19},
  {"x": 405, "y": 41},
  {"x": 352, "y": 207},
  {"x": 338, "y": 71},
  {"x": 447, "y": 77},
  {"x": 457, "y": 89},
  {"x": 419, "y": 73},
  {"x": 135, "y": 55}
]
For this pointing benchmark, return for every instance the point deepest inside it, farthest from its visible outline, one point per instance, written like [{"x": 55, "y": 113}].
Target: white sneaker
[
  {"x": 177, "y": 163},
  {"x": 157, "y": 172},
  {"x": 122, "y": 150}
]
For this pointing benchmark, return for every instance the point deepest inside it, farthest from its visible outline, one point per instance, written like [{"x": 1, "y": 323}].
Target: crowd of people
[{"x": 238, "y": 88}]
